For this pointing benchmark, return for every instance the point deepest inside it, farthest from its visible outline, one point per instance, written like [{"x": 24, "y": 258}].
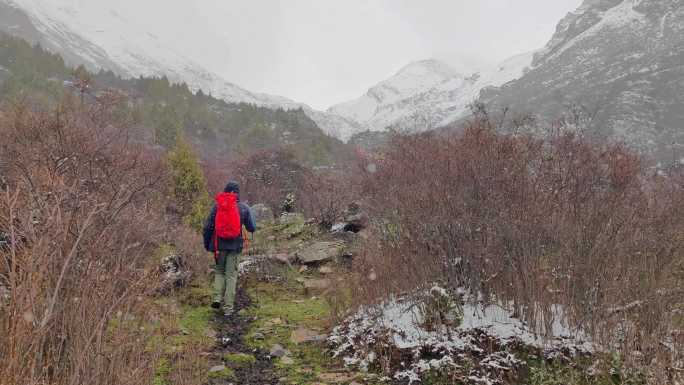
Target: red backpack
[{"x": 227, "y": 224}]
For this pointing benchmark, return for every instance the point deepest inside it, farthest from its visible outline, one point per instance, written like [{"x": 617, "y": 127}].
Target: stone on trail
[
  {"x": 319, "y": 252},
  {"x": 286, "y": 360},
  {"x": 262, "y": 213},
  {"x": 336, "y": 378},
  {"x": 286, "y": 259},
  {"x": 302, "y": 335},
  {"x": 217, "y": 368},
  {"x": 278, "y": 351},
  {"x": 258, "y": 336},
  {"x": 316, "y": 284},
  {"x": 325, "y": 270}
]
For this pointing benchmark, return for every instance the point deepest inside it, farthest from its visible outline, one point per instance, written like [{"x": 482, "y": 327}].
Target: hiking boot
[{"x": 216, "y": 305}]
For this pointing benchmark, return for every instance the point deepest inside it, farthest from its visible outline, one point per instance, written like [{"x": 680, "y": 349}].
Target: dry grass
[{"x": 79, "y": 207}]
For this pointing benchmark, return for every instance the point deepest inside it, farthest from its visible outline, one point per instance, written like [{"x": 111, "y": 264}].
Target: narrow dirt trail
[{"x": 230, "y": 339}]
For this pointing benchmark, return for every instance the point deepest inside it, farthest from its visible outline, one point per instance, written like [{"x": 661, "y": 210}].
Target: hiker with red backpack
[{"x": 223, "y": 236}]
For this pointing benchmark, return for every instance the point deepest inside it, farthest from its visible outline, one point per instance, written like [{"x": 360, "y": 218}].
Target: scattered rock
[
  {"x": 211, "y": 333},
  {"x": 258, "y": 336},
  {"x": 286, "y": 259},
  {"x": 221, "y": 372},
  {"x": 316, "y": 284},
  {"x": 336, "y": 378},
  {"x": 262, "y": 213},
  {"x": 217, "y": 368},
  {"x": 325, "y": 270},
  {"x": 338, "y": 227},
  {"x": 303, "y": 268},
  {"x": 302, "y": 335},
  {"x": 286, "y": 360},
  {"x": 278, "y": 350},
  {"x": 319, "y": 252}
]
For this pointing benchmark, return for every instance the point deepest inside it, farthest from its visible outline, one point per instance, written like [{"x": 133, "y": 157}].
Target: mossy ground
[
  {"x": 239, "y": 360},
  {"x": 279, "y": 310}
]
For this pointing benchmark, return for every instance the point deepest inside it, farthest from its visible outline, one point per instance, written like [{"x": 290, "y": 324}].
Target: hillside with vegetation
[{"x": 163, "y": 110}]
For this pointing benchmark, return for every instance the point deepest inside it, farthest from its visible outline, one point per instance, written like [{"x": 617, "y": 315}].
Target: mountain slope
[
  {"x": 426, "y": 95},
  {"x": 161, "y": 110},
  {"x": 623, "y": 62},
  {"x": 100, "y": 38}
]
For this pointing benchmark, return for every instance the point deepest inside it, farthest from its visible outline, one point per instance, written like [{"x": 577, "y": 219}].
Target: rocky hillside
[
  {"x": 621, "y": 61},
  {"x": 99, "y": 37},
  {"x": 426, "y": 95}
]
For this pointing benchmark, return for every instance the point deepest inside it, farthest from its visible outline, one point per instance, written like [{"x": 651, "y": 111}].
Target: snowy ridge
[
  {"x": 620, "y": 61},
  {"x": 618, "y": 16},
  {"x": 101, "y": 38},
  {"x": 426, "y": 95}
]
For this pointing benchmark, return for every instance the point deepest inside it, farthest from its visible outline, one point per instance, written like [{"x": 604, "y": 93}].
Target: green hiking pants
[{"x": 225, "y": 278}]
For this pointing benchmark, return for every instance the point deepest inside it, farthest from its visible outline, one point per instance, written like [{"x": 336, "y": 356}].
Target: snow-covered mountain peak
[
  {"x": 591, "y": 18},
  {"x": 100, "y": 37},
  {"x": 429, "y": 67},
  {"x": 426, "y": 94}
]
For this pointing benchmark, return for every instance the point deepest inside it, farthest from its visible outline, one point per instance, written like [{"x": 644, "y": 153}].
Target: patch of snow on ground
[{"x": 396, "y": 325}]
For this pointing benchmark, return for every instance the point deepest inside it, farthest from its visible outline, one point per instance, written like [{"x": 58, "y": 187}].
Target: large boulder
[
  {"x": 320, "y": 252},
  {"x": 262, "y": 213}
]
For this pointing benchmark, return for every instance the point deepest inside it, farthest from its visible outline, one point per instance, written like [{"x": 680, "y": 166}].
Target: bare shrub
[
  {"x": 533, "y": 223},
  {"x": 269, "y": 176},
  {"x": 326, "y": 196},
  {"x": 275, "y": 176},
  {"x": 78, "y": 205}
]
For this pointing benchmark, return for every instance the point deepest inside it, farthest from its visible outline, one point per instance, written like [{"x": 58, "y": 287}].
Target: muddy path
[{"x": 230, "y": 340}]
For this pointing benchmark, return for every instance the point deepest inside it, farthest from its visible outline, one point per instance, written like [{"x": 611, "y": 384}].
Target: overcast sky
[{"x": 322, "y": 52}]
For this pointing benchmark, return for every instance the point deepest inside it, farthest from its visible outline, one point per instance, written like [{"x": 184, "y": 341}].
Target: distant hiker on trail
[{"x": 223, "y": 236}]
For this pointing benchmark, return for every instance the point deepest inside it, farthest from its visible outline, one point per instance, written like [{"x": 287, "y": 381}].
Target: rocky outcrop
[
  {"x": 320, "y": 252},
  {"x": 613, "y": 68}
]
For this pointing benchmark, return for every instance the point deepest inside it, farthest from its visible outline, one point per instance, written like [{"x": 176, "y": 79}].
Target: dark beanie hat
[{"x": 232, "y": 187}]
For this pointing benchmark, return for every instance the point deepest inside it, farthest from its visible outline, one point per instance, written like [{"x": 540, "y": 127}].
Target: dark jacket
[{"x": 246, "y": 219}]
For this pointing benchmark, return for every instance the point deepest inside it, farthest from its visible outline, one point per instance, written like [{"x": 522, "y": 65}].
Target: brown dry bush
[
  {"x": 268, "y": 177},
  {"x": 78, "y": 209},
  {"x": 532, "y": 223},
  {"x": 325, "y": 196}
]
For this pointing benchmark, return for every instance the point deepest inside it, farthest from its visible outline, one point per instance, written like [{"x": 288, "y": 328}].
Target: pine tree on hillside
[{"x": 188, "y": 183}]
